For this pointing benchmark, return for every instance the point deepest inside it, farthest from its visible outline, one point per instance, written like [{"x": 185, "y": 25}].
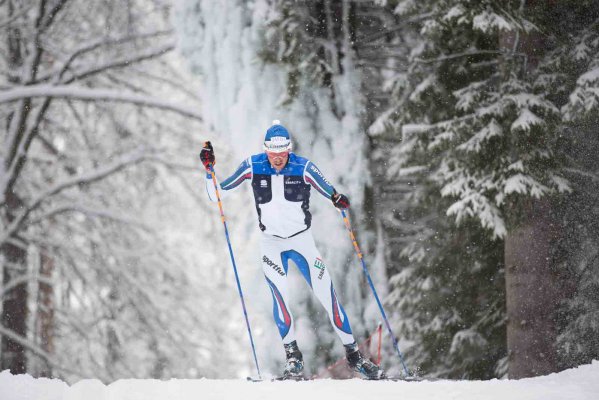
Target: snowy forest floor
[{"x": 580, "y": 383}]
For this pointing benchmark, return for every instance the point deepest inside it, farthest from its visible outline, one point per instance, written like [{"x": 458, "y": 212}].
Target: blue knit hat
[{"x": 277, "y": 138}]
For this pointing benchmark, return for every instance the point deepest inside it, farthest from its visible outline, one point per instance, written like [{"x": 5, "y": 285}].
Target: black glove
[
  {"x": 340, "y": 200},
  {"x": 207, "y": 156}
]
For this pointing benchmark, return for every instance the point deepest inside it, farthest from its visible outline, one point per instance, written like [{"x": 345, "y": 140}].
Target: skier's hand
[
  {"x": 207, "y": 156},
  {"x": 340, "y": 201}
]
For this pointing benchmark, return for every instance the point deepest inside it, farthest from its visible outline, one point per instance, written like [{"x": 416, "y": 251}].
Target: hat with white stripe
[{"x": 277, "y": 138}]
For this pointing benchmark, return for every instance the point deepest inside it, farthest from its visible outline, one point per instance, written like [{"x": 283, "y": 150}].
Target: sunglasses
[{"x": 277, "y": 153}]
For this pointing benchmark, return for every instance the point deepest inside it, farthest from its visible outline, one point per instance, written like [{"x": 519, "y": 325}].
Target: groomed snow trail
[{"x": 580, "y": 383}]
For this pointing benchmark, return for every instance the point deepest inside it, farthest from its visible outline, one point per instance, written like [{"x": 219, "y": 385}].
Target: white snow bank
[{"x": 580, "y": 383}]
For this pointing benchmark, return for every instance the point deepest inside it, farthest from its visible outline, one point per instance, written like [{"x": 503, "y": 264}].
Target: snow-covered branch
[
  {"x": 87, "y": 94},
  {"x": 400, "y": 26},
  {"x": 122, "y": 62},
  {"x": 48, "y": 17},
  {"x": 93, "y": 45},
  {"x": 17, "y": 149},
  {"x": 587, "y": 174},
  {"x": 22, "y": 279},
  {"x": 166, "y": 79},
  {"x": 85, "y": 178},
  {"x": 16, "y": 15},
  {"x": 172, "y": 164},
  {"x": 49, "y": 358},
  {"x": 91, "y": 212},
  {"x": 466, "y": 54}
]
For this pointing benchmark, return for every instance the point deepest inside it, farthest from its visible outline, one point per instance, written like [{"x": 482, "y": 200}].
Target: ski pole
[
  {"x": 378, "y": 301},
  {"x": 245, "y": 314}
]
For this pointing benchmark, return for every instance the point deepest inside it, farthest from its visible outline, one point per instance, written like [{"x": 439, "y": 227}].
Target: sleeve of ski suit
[
  {"x": 314, "y": 177},
  {"x": 243, "y": 172}
]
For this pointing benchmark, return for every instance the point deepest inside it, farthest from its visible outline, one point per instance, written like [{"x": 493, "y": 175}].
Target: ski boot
[
  {"x": 364, "y": 366},
  {"x": 294, "y": 366}
]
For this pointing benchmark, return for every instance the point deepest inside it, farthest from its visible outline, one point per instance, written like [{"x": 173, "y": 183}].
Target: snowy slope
[{"x": 581, "y": 383}]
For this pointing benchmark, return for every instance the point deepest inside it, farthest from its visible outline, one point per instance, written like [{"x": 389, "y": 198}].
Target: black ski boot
[
  {"x": 364, "y": 366},
  {"x": 294, "y": 367}
]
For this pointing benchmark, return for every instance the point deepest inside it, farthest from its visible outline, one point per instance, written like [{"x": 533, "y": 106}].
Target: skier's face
[{"x": 278, "y": 160}]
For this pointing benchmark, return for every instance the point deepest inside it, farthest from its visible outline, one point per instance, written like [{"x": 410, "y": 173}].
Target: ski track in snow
[{"x": 580, "y": 383}]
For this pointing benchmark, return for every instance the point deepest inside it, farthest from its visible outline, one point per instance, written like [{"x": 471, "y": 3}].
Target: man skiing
[{"x": 281, "y": 183}]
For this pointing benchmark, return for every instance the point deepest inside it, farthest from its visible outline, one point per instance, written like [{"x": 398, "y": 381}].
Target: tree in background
[
  {"x": 568, "y": 73},
  {"x": 483, "y": 119},
  {"x": 93, "y": 283}
]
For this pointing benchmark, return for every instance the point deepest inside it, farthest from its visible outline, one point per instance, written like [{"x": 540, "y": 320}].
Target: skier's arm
[
  {"x": 243, "y": 172},
  {"x": 314, "y": 177}
]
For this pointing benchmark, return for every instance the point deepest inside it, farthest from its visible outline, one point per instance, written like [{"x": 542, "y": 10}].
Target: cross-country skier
[{"x": 281, "y": 182}]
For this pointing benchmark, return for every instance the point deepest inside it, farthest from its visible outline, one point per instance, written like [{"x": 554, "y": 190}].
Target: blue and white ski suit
[{"x": 283, "y": 205}]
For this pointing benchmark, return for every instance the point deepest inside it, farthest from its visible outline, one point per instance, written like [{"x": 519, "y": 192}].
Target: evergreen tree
[
  {"x": 570, "y": 76},
  {"x": 481, "y": 129}
]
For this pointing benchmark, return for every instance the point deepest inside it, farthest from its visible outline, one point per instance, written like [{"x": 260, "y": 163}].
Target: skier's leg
[
  {"x": 306, "y": 256},
  {"x": 276, "y": 278}
]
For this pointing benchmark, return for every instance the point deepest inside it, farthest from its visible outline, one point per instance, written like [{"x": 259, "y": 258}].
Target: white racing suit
[{"x": 282, "y": 202}]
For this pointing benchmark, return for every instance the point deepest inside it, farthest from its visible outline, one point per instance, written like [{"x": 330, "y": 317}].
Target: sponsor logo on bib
[{"x": 319, "y": 264}]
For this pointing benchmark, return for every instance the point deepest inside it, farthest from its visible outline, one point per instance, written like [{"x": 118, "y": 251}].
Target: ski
[
  {"x": 303, "y": 378},
  {"x": 280, "y": 379}
]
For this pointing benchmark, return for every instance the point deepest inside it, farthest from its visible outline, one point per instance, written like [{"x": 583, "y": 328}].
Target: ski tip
[{"x": 298, "y": 378}]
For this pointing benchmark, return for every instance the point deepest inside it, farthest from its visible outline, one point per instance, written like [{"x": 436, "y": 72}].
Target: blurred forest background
[{"x": 464, "y": 132}]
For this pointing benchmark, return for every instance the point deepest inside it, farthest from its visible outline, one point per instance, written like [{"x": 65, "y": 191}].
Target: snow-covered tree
[
  {"x": 570, "y": 76},
  {"x": 481, "y": 116},
  {"x": 97, "y": 117}
]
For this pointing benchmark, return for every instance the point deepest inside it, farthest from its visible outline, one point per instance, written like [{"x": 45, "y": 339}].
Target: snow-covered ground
[{"x": 580, "y": 383}]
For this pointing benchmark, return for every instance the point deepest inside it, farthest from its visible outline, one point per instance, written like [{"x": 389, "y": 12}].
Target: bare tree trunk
[
  {"x": 14, "y": 304},
  {"x": 46, "y": 311},
  {"x": 532, "y": 295}
]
